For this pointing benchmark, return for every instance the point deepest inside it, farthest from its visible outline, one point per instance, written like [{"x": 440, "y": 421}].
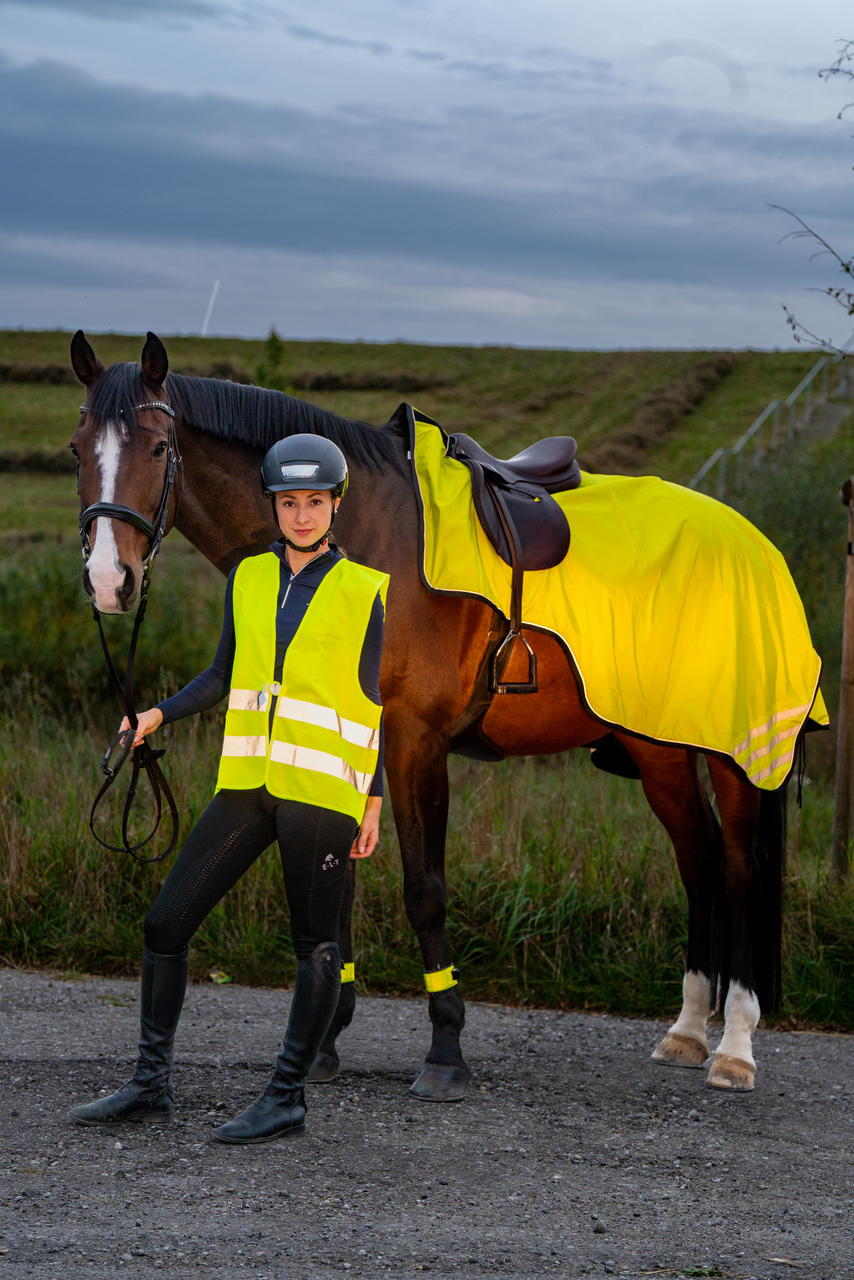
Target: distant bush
[
  {"x": 48, "y": 460},
  {"x": 402, "y": 382},
  {"x": 268, "y": 373},
  {"x": 52, "y": 375}
]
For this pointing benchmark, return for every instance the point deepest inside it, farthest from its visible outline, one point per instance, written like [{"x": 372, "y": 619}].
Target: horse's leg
[
  {"x": 677, "y": 798},
  {"x": 753, "y": 826},
  {"x": 327, "y": 1062},
  {"x": 417, "y": 768}
]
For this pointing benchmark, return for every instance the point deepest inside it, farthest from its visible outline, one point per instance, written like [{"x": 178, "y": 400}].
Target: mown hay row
[{"x": 658, "y": 417}]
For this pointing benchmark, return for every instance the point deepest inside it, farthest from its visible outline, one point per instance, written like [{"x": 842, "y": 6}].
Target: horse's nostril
[{"x": 127, "y": 590}]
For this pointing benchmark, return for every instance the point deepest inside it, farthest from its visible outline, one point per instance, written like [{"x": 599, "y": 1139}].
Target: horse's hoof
[
  {"x": 324, "y": 1068},
  {"x": 677, "y": 1050},
  {"x": 440, "y": 1083},
  {"x": 731, "y": 1073}
]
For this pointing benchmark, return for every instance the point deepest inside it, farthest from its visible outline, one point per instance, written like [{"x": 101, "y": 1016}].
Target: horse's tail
[
  {"x": 767, "y": 899},
  {"x": 754, "y": 960}
]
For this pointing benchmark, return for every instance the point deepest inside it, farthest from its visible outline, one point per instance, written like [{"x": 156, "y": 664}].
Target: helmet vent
[{"x": 299, "y": 470}]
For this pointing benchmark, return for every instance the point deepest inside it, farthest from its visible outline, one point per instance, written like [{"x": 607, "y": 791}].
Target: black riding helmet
[{"x": 304, "y": 462}]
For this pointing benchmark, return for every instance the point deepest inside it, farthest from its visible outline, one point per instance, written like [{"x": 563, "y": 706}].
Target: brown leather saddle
[
  {"x": 529, "y": 531},
  {"x": 513, "y": 497}
]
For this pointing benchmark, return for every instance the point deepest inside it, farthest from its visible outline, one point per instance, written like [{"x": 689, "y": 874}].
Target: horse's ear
[
  {"x": 84, "y": 362},
  {"x": 154, "y": 362}
]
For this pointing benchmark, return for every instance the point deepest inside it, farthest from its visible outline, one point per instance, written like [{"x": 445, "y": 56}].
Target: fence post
[{"x": 840, "y": 860}]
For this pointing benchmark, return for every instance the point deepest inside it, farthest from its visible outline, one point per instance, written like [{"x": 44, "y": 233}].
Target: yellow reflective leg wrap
[
  {"x": 441, "y": 979},
  {"x": 348, "y": 972}
]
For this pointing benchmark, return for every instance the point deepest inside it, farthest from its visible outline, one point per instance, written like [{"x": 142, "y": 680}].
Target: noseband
[{"x": 144, "y": 757}]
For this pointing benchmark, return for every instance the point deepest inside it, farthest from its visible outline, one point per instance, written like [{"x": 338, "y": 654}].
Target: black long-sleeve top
[{"x": 295, "y": 594}]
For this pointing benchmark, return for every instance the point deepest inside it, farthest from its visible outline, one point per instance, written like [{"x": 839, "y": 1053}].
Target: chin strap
[{"x": 315, "y": 546}]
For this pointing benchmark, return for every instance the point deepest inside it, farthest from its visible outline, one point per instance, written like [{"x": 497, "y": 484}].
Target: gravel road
[{"x": 573, "y": 1155}]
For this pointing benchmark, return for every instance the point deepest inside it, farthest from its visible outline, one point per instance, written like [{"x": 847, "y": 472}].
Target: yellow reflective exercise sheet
[{"x": 681, "y": 618}]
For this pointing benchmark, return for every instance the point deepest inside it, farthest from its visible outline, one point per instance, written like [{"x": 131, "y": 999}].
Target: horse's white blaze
[
  {"x": 696, "y": 1007},
  {"x": 741, "y": 1018},
  {"x": 105, "y": 573}
]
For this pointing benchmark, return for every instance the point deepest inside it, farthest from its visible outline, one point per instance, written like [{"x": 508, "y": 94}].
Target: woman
[{"x": 299, "y": 658}]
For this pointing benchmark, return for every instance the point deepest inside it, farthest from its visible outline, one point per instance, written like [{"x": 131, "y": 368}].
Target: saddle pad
[{"x": 680, "y": 618}]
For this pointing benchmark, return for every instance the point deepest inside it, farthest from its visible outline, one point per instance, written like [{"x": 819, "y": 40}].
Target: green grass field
[
  {"x": 562, "y": 889},
  {"x": 506, "y": 397}
]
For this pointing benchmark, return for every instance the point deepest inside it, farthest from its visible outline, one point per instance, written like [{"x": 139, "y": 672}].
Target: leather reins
[{"x": 143, "y": 758}]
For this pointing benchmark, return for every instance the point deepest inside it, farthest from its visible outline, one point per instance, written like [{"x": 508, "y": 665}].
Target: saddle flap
[{"x": 538, "y": 526}]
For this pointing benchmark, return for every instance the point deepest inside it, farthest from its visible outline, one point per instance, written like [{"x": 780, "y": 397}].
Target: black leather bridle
[
  {"x": 144, "y": 757},
  {"x": 155, "y": 529}
]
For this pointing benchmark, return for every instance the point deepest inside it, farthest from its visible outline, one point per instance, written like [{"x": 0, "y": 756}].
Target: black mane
[{"x": 255, "y": 416}]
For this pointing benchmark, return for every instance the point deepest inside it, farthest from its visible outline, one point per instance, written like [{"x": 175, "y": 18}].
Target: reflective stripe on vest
[
  {"x": 325, "y": 731},
  {"x": 362, "y": 735},
  {"x": 320, "y": 762},
  {"x": 247, "y": 745}
]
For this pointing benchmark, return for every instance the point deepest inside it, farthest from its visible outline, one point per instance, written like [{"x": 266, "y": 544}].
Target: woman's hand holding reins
[
  {"x": 369, "y": 832},
  {"x": 146, "y": 722}
]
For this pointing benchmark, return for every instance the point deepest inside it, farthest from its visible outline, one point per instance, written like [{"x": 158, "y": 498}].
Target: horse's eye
[
  {"x": 73, "y": 448},
  {"x": 160, "y": 450}
]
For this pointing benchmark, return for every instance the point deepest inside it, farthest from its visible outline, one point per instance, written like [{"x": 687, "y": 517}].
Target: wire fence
[{"x": 727, "y": 469}]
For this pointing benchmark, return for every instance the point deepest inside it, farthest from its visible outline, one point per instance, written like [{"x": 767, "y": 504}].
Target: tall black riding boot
[
  {"x": 149, "y": 1095},
  {"x": 281, "y": 1108}
]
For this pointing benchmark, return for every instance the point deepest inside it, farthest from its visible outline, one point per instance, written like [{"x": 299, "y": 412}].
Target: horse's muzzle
[{"x": 114, "y": 596}]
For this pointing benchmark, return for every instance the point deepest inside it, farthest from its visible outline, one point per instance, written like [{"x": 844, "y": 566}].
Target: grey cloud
[
  {"x": 565, "y": 73},
  {"x": 703, "y": 51},
  {"x": 201, "y": 199},
  {"x": 119, "y": 12},
  {"x": 94, "y": 160},
  {"x": 563, "y": 70},
  {"x": 593, "y": 66},
  {"x": 501, "y": 72},
  {"x": 376, "y": 47},
  {"x": 65, "y": 270},
  {"x": 608, "y": 147},
  {"x": 55, "y": 101},
  {"x": 426, "y": 55},
  {"x": 198, "y": 200}
]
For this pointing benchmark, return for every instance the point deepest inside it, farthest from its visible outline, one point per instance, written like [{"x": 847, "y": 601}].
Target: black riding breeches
[{"x": 233, "y": 831}]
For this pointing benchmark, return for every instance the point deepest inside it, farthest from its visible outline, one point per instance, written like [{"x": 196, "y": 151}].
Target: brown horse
[{"x": 137, "y": 415}]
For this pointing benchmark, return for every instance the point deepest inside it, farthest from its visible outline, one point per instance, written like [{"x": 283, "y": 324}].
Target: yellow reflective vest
[{"x": 322, "y": 748}]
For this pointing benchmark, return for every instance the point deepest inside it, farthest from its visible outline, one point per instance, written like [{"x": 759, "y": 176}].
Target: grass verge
[{"x": 562, "y": 889}]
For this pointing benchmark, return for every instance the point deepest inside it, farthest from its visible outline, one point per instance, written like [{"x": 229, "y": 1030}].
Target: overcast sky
[{"x": 564, "y": 173}]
